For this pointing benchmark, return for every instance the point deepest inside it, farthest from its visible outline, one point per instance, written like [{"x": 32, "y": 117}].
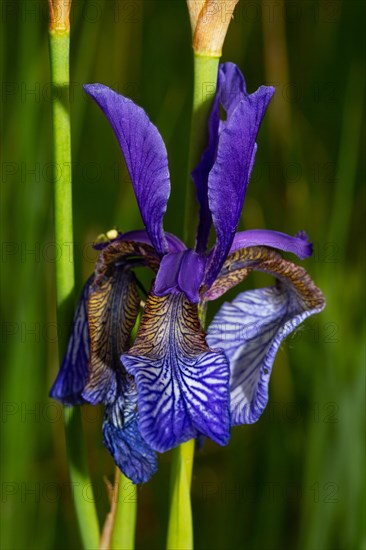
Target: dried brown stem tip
[
  {"x": 209, "y": 21},
  {"x": 59, "y": 15}
]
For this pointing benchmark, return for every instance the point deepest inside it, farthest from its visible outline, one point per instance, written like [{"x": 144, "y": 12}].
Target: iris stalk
[
  {"x": 123, "y": 533},
  {"x": 59, "y": 57},
  {"x": 204, "y": 88},
  {"x": 180, "y": 529}
]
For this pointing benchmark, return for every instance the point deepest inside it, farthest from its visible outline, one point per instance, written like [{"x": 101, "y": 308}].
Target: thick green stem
[
  {"x": 123, "y": 533},
  {"x": 205, "y": 79},
  {"x": 180, "y": 529},
  {"x": 82, "y": 488},
  {"x": 59, "y": 49}
]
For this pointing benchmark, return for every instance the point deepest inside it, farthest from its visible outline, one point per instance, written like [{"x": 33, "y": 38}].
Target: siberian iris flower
[{"x": 175, "y": 382}]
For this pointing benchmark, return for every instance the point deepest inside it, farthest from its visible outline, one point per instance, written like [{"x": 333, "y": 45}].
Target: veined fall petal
[
  {"x": 251, "y": 328},
  {"x": 123, "y": 439},
  {"x": 71, "y": 378},
  {"x": 92, "y": 371},
  {"x": 182, "y": 384},
  {"x": 113, "y": 307}
]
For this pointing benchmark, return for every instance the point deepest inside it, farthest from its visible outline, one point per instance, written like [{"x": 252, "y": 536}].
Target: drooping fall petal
[
  {"x": 251, "y": 329},
  {"x": 73, "y": 373},
  {"x": 123, "y": 439},
  {"x": 182, "y": 384},
  {"x": 112, "y": 311}
]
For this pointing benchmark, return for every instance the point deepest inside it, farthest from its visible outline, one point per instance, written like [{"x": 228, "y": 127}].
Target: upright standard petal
[
  {"x": 123, "y": 439},
  {"x": 228, "y": 179},
  {"x": 145, "y": 155},
  {"x": 251, "y": 328},
  {"x": 112, "y": 312},
  {"x": 182, "y": 384},
  {"x": 73, "y": 373},
  {"x": 202, "y": 170},
  {"x": 230, "y": 91}
]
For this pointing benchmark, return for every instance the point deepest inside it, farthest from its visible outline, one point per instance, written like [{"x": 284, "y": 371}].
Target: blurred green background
[{"x": 296, "y": 478}]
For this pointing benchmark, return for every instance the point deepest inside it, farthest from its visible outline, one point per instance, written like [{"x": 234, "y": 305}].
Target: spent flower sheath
[
  {"x": 59, "y": 15},
  {"x": 175, "y": 382},
  {"x": 209, "y": 22}
]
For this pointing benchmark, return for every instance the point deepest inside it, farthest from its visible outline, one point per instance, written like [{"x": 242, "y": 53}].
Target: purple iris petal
[
  {"x": 191, "y": 275},
  {"x": 228, "y": 179},
  {"x": 124, "y": 441},
  {"x": 250, "y": 331},
  {"x": 167, "y": 278},
  {"x": 112, "y": 311},
  {"x": 145, "y": 155},
  {"x": 299, "y": 244},
  {"x": 73, "y": 373},
  {"x": 202, "y": 170},
  {"x": 230, "y": 91},
  {"x": 181, "y": 272},
  {"x": 182, "y": 384}
]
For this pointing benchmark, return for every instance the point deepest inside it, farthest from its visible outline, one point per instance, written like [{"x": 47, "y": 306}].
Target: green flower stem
[
  {"x": 180, "y": 529},
  {"x": 123, "y": 533},
  {"x": 79, "y": 475},
  {"x": 59, "y": 56},
  {"x": 205, "y": 79}
]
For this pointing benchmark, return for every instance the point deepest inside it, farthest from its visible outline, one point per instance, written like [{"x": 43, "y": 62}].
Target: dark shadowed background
[{"x": 296, "y": 478}]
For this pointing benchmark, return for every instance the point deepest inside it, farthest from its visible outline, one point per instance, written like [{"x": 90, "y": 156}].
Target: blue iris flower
[{"x": 175, "y": 382}]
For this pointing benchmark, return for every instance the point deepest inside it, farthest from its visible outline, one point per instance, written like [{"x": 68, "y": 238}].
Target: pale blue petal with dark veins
[
  {"x": 250, "y": 331},
  {"x": 124, "y": 441}
]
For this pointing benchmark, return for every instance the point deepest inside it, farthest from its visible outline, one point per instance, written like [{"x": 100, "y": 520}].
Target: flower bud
[
  {"x": 59, "y": 15},
  {"x": 209, "y": 21}
]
